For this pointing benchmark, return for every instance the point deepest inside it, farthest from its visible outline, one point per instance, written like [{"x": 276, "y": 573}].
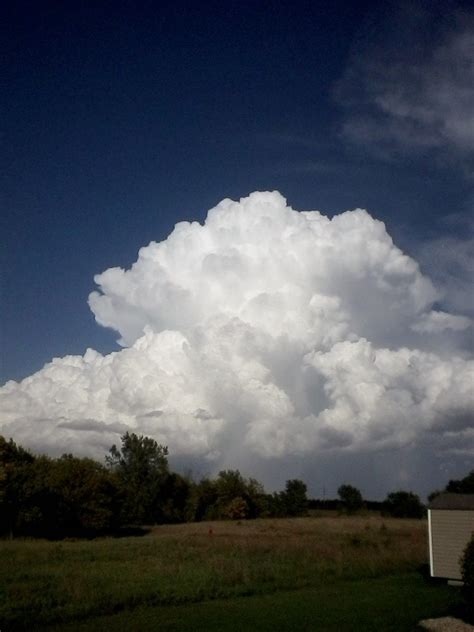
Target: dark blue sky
[{"x": 120, "y": 120}]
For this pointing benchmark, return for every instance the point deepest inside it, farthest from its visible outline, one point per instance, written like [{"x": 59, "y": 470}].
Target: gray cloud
[
  {"x": 449, "y": 260},
  {"x": 91, "y": 425}
]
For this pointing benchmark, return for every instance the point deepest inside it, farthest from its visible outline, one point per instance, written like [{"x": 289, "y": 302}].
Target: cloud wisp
[
  {"x": 409, "y": 85},
  {"x": 263, "y": 334},
  {"x": 449, "y": 260}
]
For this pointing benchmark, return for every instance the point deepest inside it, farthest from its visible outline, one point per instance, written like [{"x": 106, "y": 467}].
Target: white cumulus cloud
[{"x": 265, "y": 333}]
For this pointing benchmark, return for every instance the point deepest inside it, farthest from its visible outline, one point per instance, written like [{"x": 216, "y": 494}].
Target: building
[{"x": 450, "y": 527}]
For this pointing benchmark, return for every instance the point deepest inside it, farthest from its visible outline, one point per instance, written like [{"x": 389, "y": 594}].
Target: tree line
[
  {"x": 72, "y": 496},
  {"x": 78, "y": 496}
]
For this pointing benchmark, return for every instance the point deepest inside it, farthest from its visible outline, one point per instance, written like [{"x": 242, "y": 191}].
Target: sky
[{"x": 311, "y": 313}]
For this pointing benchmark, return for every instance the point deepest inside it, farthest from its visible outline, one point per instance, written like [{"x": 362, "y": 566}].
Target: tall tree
[{"x": 141, "y": 465}]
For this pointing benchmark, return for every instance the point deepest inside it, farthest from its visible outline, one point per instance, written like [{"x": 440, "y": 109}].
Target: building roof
[{"x": 453, "y": 501}]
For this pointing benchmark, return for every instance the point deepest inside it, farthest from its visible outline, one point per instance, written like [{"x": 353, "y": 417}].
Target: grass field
[{"x": 185, "y": 578}]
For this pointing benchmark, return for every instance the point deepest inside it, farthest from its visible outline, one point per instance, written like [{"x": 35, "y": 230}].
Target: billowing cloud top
[{"x": 264, "y": 332}]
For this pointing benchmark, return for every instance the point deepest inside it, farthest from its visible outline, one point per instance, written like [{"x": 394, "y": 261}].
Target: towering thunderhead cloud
[{"x": 265, "y": 332}]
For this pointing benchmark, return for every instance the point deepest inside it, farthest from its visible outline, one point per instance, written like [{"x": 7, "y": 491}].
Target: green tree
[
  {"x": 39, "y": 503},
  {"x": 403, "y": 504},
  {"x": 230, "y": 484},
  {"x": 214, "y": 499},
  {"x": 202, "y": 501},
  {"x": 256, "y": 499},
  {"x": 176, "y": 493},
  {"x": 463, "y": 486},
  {"x": 15, "y": 465},
  {"x": 351, "y": 497},
  {"x": 293, "y": 499},
  {"x": 141, "y": 466},
  {"x": 54, "y": 497},
  {"x": 434, "y": 494},
  {"x": 86, "y": 495}
]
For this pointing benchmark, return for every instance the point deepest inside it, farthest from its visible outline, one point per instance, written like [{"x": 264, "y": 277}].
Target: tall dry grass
[{"x": 44, "y": 581}]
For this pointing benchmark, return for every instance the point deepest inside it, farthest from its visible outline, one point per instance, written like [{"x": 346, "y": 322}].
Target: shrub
[
  {"x": 237, "y": 509},
  {"x": 467, "y": 571}
]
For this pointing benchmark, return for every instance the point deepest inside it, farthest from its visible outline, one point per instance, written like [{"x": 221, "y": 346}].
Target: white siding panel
[{"x": 451, "y": 530}]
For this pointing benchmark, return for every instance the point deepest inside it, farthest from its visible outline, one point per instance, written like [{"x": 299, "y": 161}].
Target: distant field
[{"x": 176, "y": 571}]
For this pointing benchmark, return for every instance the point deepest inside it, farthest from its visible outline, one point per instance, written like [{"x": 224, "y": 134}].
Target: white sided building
[{"x": 450, "y": 527}]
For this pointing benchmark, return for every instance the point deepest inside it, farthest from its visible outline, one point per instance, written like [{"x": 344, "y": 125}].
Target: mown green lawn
[{"x": 394, "y": 603}]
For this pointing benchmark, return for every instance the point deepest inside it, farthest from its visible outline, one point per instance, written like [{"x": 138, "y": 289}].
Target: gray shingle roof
[{"x": 452, "y": 501}]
